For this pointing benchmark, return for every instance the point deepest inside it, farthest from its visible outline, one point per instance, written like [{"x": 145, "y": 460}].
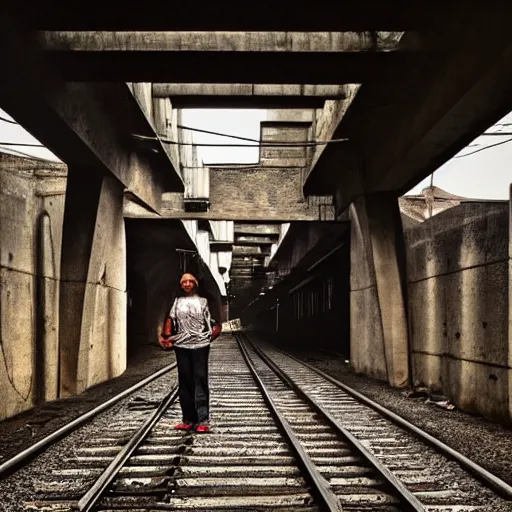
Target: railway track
[
  {"x": 26, "y": 455},
  {"x": 281, "y": 441},
  {"x": 441, "y": 478}
]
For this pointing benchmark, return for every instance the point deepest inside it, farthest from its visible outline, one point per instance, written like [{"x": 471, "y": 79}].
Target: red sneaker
[
  {"x": 202, "y": 429},
  {"x": 183, "y": 426}
]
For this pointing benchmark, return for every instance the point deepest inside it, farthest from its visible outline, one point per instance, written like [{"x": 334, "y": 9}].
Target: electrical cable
[
  {"x": 28, "y": 155},
  {"x": 5, "y": 120},
  {"x": 261, "y": 144},
  {"x": 21, "y": 144},
  {"x": 256, "y": 140},
  {"x": 485, "y": 147},
  {"x": 217, "y": 133}
]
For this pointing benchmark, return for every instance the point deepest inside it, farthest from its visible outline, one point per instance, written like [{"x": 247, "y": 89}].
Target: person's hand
[
  {"x": 216, "y": 330},
  {"x": 165, "y": 342}
]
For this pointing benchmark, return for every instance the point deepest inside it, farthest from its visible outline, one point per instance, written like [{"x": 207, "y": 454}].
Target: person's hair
[{"x": 197, "y": 287}]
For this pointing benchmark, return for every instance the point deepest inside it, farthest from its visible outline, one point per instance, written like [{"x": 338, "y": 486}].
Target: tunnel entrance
[
  {"x": 157, "y": 254},
  {"x": 306, "y": 302},
  {"x": 321, "y": 305}
]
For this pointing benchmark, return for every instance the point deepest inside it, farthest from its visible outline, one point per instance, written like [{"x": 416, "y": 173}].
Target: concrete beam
[
  {"x": 229, "y": 90},
  {"x": 248, "y": 102},
  {"x": 269, "y": 96},
  {"x": 257, "y": 229},
  {"x": 84, "y": 124},
  {"x": 265, "y": 15},
  {"x": 95, "y": 41},
  {"x": 255, "y": 240},
  {"x": 429, "y": 114},
  {"x": 254, "y": 253},
  {"x": 222, "y": 57},
  {"x": 248, "y": 266}
]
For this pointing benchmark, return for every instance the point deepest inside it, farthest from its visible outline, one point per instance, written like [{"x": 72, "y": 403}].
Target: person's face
[{"x": 187, "y": 285}]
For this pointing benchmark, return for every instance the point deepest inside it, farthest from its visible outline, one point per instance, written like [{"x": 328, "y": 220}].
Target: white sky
[
  {"x": 484, "y": 175},
  {"x": 241, "y": 122}
]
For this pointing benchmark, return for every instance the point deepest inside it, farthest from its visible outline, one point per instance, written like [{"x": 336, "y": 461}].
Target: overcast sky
[{"x": 486, "y": 174}]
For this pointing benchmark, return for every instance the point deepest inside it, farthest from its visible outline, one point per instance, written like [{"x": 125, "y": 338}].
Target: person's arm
[
  {"x": 216, "y": 329},
  {"x": 169, "y": 322},
  {"x": 172, "y": 312},
  {"x": 207, "y": 318}
]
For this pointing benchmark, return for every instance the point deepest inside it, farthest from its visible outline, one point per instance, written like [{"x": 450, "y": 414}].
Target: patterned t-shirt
[{"x": 192, "y": 318}]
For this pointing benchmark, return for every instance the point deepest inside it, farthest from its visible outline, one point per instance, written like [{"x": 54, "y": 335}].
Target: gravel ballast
[
  {"x": 25, "y": 429},
  {"x": 486, "y": 443}
]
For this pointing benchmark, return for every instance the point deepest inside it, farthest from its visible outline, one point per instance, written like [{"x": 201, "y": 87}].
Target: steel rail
[
  {"x": 92, "y": 496},
  {"x": 490, "y": 480},
  {"x": 321, "y": 487},
  {"x": 12, "y": 464},
  {"x": 406, "y": 495}
]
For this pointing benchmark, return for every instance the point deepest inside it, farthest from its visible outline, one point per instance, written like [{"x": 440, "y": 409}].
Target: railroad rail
[
  {"x": 284, "y": 438},
  {"x": 26, "y": 455}
]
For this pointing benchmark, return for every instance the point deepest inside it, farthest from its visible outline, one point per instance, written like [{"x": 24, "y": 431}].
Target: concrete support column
[
  {"x": 378, "y": 321},
  {"x": 93, "y": 282}
]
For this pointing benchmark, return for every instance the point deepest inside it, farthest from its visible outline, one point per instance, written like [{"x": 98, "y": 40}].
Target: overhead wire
[
  {"x": 21, "y": 144},
  {"x": 28, "y": 155},
  {"x": 484, "y": 148},
  {"x": 256, "y": 140},
  {"x": 276, "y": 144},
  {"x": 5, "y": 120},
  {"x": 247, "y": 139}
]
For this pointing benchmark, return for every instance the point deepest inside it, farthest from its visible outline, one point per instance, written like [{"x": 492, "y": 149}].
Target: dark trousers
[{"x": 193, "y": 383}]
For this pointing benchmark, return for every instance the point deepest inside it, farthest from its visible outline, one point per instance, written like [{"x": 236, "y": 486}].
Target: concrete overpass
[{"x": 367, "y": 103}]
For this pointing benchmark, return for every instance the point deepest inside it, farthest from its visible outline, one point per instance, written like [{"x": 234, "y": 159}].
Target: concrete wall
[
  {"x": 63, "y": 289},
  {"x": 31, "y": 213},
  {"x": 254, "y": 194},
  {"x": 459, "y": 279}
]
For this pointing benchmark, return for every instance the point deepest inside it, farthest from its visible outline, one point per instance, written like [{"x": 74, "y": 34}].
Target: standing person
[{"x": 191, "y": 319}]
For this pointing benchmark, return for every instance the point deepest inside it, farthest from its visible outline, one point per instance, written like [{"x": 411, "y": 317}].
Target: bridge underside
[{"x": 364, "y": 103}]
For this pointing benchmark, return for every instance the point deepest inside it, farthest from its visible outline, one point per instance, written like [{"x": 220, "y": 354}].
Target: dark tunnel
[
  {"x": 311, "y": 305},
  {"x": 158, "y": 252}
]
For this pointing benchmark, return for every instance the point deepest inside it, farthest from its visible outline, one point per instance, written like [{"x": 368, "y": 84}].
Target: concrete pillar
[
  {"x": 378, "y": 321},
  {"x": 92, "y": 330},
  {"x": 47, "y": 308}
]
